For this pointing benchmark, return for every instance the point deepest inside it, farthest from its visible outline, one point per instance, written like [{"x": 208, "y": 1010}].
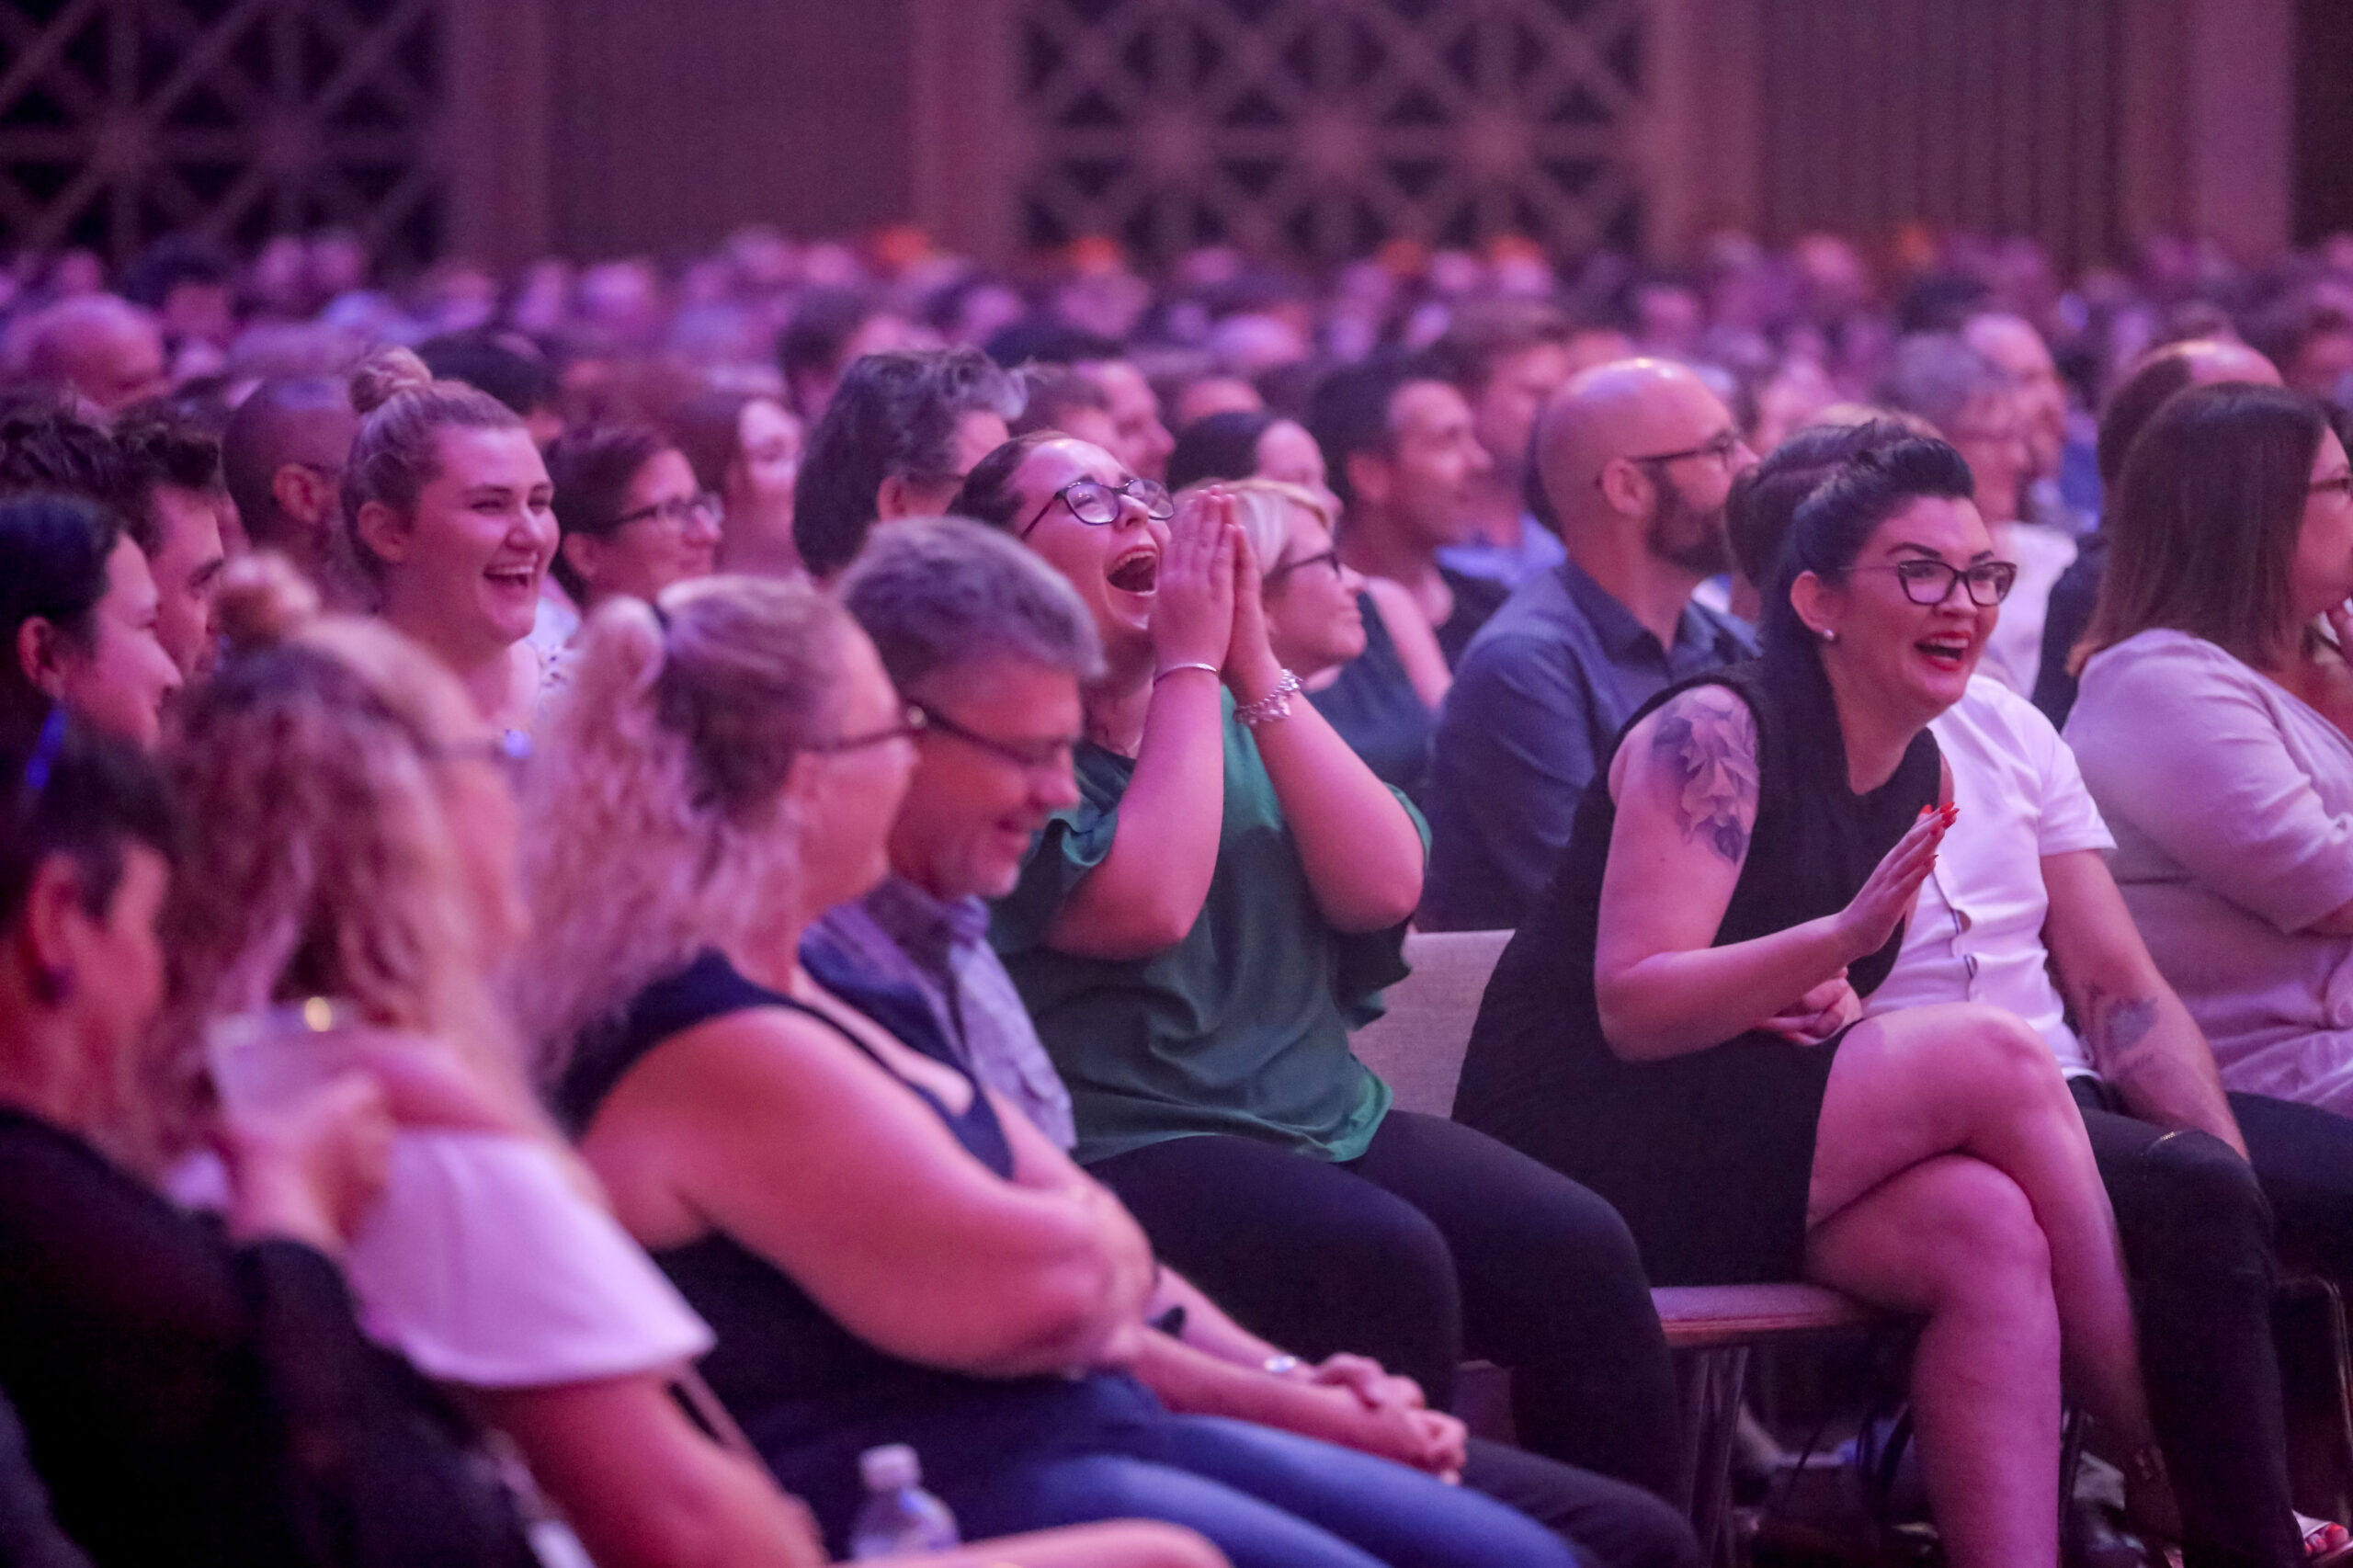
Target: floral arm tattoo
[{"x": 1706, "y": 740}]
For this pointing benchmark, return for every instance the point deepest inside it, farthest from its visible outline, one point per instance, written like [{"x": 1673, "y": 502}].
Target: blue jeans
[{"x": 1103, "y": 1448}]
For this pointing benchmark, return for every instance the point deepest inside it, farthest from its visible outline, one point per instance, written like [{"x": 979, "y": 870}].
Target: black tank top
[
  {"x": 1815, "y": 843},
  {"x": 784, "y": 1366}
]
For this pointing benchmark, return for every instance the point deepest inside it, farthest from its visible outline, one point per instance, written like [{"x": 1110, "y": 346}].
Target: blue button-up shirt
[
  {"x": 901, "y": 935},
  {"x": 1538, "y": 697}
]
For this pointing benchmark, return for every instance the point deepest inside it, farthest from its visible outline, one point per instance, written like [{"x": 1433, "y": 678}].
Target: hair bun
[
  {"x": 383, "y": 376},
  {"x": 262, "y": 600}
]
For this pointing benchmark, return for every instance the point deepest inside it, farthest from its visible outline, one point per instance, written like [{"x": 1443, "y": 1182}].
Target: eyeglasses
[
  {"x": 677, "y": 511},
  {"x": 912, "y": 722},
  {"x": 1096, "y": 505},
  {"x": 1931, "y": 582},
  {"x": 1325, "y": 558},
  {"x": 1719, "y": 447},
  {"x": 1034, "y": 757}
]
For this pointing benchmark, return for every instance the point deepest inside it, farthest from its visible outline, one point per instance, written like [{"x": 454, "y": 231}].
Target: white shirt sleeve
[
  {"x": 484, "y": 1266},
  {"x": 2070, "y": 821}
]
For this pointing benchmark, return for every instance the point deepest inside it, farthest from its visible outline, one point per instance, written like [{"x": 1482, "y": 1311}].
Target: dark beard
[{"x": 1681, "y": 535}]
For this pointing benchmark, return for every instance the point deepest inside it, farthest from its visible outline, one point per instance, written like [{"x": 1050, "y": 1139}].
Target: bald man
[
  {"x": 1636, "y": 459},
  {"x": 282, "y": 459},
  {"x": 2163, "y": 372},
  {"x": 104, "y": 350}
]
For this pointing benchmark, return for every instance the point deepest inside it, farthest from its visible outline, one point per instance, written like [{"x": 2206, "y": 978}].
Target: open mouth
[
  {"x": 524, "y": 577},
  {"x": 1949, "y": 652},
  {"x": 1135, "y": 573}
]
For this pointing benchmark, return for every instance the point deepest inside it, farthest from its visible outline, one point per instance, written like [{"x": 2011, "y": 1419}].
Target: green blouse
[{"x": 1243, "y": 1027}]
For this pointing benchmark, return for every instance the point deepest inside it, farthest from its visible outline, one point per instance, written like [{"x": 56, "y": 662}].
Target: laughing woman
[
  {"x": 447, "y": 517},
  {"x": 1195, "y": 938},
  {"x": 1675, "y": 1024}
]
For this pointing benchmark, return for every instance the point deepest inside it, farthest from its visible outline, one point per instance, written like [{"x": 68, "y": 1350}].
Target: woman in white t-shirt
[{"x": 2211, "y": 727}]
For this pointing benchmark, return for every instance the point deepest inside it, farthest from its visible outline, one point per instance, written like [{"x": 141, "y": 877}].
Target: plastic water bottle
[{"x": 899, "y": 1517}]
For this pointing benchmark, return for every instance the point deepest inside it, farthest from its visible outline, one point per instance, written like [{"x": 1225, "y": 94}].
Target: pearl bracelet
[{"x": 1275, "y": 705}]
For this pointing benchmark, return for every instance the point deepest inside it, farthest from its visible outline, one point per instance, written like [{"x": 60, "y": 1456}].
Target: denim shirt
[{"x": 1539, "y": 694}]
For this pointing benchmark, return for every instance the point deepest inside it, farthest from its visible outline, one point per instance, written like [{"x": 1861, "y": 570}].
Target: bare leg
[
  {"x": 1954, "y": 1238},
  {"x": 1965, "y": 1079}
]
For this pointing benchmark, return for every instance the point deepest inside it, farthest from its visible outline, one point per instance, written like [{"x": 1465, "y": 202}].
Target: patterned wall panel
[
  {"x": 1319, "y": 128},
  {"x": 120, "y": 120}
]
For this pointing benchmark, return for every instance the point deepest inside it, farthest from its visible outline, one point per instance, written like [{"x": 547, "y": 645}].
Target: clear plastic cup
[{"x": 266, "y": 1061}]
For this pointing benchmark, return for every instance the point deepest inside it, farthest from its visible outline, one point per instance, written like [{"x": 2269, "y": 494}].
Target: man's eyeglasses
[
  {"x": 1721, "y": 447},
  {"x": 1030, "y": 756},
  {"x": 677, "y": 511},
  {"x": 1931, "y": 582},
  {"x": 1096, "y": 505},
  {"x": 1330, "y": 557},
  {"x": 912, "y": 722}
]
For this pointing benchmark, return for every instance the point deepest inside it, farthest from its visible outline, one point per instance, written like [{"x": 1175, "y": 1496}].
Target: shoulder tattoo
[{"x": 1706, "y": 743}]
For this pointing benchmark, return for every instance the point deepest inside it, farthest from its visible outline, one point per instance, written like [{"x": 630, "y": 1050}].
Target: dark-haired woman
[
  {"x": 1675, "y": 1026},
  {"x": 79, "y": 606},
  {"x": 745, "y": 449},
  {"x": 2211, "y": 727},
  {"x": 632, "y": 517},
  {"x": 189, "y": 1393}
]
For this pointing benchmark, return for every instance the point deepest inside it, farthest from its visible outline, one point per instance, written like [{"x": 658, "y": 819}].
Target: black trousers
[
  {"x": 2199, "y": 1227},
  {"x": 1436, "y": 1241}
]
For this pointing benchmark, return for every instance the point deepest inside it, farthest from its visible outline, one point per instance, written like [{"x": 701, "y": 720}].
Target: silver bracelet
[
  {"x": 1275, "y": 705},
  {"x": 1159, "y": 676}
]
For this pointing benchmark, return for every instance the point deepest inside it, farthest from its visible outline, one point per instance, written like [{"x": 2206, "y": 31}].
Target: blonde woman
[
  {"x": 449, "y": 526},
  {"x": 1327, "y": 625},
  {"x": 887, "y": 1251},
  {"x": 356, "y": 834}
]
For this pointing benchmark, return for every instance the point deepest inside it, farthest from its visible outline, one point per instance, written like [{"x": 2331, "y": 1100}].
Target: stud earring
[{"x": 1829, "y": 634}]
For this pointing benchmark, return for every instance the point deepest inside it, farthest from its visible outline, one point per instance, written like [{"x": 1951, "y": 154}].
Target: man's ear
[
  {"x": 39, "y": 655},
  {"x": 385, "y": 531},
  {"x": 300, "y": 493},
  {"x": 55, "y": 920},
  {"x": 1627, "y": 488},
  {"x": 891, "y": 499}
]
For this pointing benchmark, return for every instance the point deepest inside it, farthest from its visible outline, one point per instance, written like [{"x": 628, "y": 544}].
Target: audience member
[
  {"x": 1675, "y": 1022},
  {"x": 103, "y": 350},
  {"x": 745, "y": 449},
  {"x": 78, "y": 604},
  {"x": 2198, "y": 361},
  {"x": 886, "y": 1251},
  {"x": 508, "y": 366},
  {"x": 1253, "y": 445},
  {"x": 1144, "y": 440},
  {"x": 2012, "y": 345},
  {"x": 1399, "y": 453},
  {"x": 173, "y": 477},
  {"x": 832, "y": 329},
  {"x": 632, "y": 516},
  {"x": 447, "y": 511},
  {"x": 2309, "y": 341},
  {"x": 282, "y": 459},
  {"x": 895, "y": 441},
  {"x": 1980, "y": 408},
  {"x": 1057, "y": 398},
  {"x": 191, "y": 1392},
  {"x": 1192, "y": 399},
  {"x": 968, "y": 623},
  {"x": 2230, "y": 540},
  {"x": 1506, "y": 357},
  {"x": 1228, "y": 850},
  {"x": 2018, "y": 912},
  {"x": 1635, "y": 459}
]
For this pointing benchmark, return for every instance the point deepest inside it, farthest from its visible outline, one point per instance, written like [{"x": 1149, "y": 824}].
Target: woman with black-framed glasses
[
  {"x": 1676, "y": 1023},
  {"x": 633, "y": 520}
]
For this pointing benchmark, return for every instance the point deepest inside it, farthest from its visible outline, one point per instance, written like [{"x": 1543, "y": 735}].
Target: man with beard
[
  {"x": 1636, "y": 459},
  {"x": 1400, "y": 452}
]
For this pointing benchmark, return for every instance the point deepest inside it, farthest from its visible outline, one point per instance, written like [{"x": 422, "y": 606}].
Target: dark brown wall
[{"x": 677, "y": 121}]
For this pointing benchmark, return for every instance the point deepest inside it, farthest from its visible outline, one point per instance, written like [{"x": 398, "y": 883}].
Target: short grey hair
[
  {"x": 1936, "y": 375},
  {"x": 937, "y": 592}
]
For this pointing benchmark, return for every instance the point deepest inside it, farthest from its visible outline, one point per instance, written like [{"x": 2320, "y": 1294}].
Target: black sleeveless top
[
  {"x": 1375, "y": 709},
  {"x": 785, "y": 1368},
  {"x": 1708, "y": 1154}
]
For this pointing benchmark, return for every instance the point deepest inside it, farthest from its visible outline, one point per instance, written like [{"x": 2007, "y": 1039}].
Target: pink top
[{"x": 2232, "y": 803}]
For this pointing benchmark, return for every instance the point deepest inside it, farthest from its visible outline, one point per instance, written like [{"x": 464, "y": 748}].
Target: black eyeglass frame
[
  {"x": 2002, "y": 574},
  {"x": 1321, "y": 558},
  {"x": 913, "y": 722},
  {"x": 705, "y": 504},
  {"x": 937, "y": 722},
  {"x": 1135, "y": 486}
]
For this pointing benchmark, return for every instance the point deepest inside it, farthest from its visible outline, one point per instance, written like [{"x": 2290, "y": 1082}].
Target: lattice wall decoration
[
  {"x": 120, "y": 120},
  {"x": 1320, "y": 127}
]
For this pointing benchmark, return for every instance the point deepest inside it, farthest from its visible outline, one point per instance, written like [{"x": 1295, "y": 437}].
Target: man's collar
[
  {"x": 909, "y": 916},
  {"x": 1621, "y": 634}
]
